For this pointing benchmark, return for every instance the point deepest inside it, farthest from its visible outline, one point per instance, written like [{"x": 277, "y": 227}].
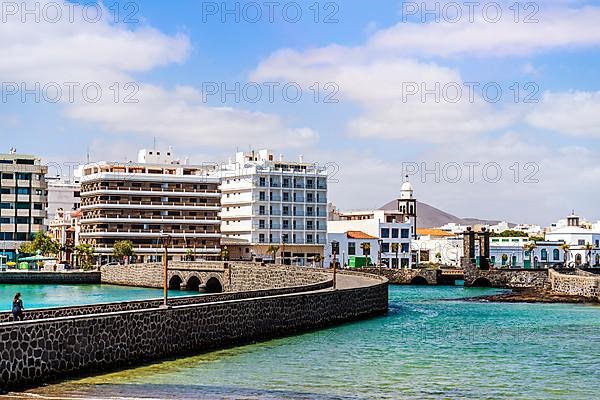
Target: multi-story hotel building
[
  {"x": 23, "y": 197},
  {"x": 269, "y": 202},
  {"x": 157, "y": 196}
]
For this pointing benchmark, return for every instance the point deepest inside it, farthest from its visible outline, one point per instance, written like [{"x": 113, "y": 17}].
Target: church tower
[{"x": 407, "y": 205}]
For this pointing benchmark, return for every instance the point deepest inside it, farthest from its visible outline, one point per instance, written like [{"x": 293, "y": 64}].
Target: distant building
[
  {"x": 512, "y": 252},
  {"x": 65, "y": 228},
  {"x": 438, "y": 246},
  {"x": 63, "y": 194},
  {"x": 583, "y": 240},
  {"x": 352, "y": 244},
  {"x": 391, "y": 228},
  {"x": 272, "y": 202},
  {"x": 156, "y": 197},
  {"x": 23, "y": 197}
]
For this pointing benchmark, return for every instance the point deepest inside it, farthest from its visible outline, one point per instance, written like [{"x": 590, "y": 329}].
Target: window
[
  {"x": 23, "y": 176},
  {"x": 22, "y": 220},
  {"x": 581, "y": 242},
  {"x": 395, "y": 233},
  {"x": 555, "y": 254},
  {"x": 351, "y": 248},
  {"x": 7, "y": 176},
  {"x": 385, "y": 247},
  {"x": 404, "y": 234},
  {"x": 404, "y": 247},
  {"x": 544, "y": 255},
  {"x": 385, "y": 232}
]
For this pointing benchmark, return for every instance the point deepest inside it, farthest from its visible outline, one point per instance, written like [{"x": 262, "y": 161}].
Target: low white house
[
  {"x": 583, "y": 242},
  {"x": 351, "y": 243},
  {"x": 515, "y": 252},
  {"x": 438, "y": 246}
]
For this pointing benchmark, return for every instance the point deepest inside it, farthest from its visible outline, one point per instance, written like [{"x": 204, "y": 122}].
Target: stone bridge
[
  {"x": 215, "y": 280},
  {"x": 418, "y": 276},
  {"x": 506, "y": 278}
]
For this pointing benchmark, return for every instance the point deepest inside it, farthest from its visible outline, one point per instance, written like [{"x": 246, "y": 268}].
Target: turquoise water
[
  {"x": 43, "y": 296},
  {"x": 426, "y": 347}
]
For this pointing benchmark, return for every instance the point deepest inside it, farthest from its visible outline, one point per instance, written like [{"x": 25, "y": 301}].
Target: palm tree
[
  {"x": 396, "y": 249},
  {"x": 588, "y": 255},
  {"x": 565, "y": 248},
  {"x": 366, "y": 249},
  {"x": 530, "y": 247},
  {"x": 273, "y": 249},
  {"x": 225, "y": 254}
]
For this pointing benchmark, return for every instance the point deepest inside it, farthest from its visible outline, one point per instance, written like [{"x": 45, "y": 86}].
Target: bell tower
[{"x": 407, "y": 206}]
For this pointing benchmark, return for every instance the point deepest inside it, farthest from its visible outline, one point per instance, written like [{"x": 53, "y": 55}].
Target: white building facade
[
  {"x": 394, "y": 230},
  {"x": 156, "y": 197},
  {"x": 583, "y": 242},
  {"x": 269, "y": 202}
]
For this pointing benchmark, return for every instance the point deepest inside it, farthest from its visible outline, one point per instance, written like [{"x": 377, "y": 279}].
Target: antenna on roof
[{"x": 88, "y": 155}]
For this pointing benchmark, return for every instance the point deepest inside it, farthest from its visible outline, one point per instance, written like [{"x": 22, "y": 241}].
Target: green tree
[
  {"x": 189, "y": 255},
  {"x": 224, "y": 254},
  {"x": 504, "y": 259},
  {"x": 85, "y": 255},
  {"x": 396, "y": 250},
  {"x": 565, "y": 248},
  {"x": 438, "y": 257},
  {"x": 530, "y": 247},
  {"x": 273, "y": 249},
  {"x": 41, "y": 242},
  {"x": 123, "y": 249},
  {"x": 509, "y": 233},
  {"x": 588, "y": 253}
]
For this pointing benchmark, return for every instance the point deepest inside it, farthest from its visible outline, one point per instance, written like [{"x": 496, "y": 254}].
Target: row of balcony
[
  {"x": 291, "y": 227},
  {"x": 290, "y": 213},
  {"x": 290, "y": 186},
  {"x": 290, "y": 199},
  {"x": 155, "y": 191}
]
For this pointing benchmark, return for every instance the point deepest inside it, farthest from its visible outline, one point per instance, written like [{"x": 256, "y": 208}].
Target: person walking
[{"x": 17, "y": 307}]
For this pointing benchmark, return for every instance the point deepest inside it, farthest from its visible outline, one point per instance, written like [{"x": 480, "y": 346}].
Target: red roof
[{"x": 358, "y": 235}]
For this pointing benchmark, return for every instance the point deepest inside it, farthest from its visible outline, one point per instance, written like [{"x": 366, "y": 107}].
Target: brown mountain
[{"x": 431, "y": 217}]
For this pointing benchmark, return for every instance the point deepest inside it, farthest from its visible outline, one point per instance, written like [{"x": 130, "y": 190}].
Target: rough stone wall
[
  {"x": 508, "y": 278},
  {"x": 37, "y": 351},
  {"x": 580, "y": 284},
  {"x": 41, "y": 277},
  {"x": 245, "y": 277},
  {"x": 44, "y": 313},
  {"x": 404, "y": 276},
  {"x": 151, "y": 275}
]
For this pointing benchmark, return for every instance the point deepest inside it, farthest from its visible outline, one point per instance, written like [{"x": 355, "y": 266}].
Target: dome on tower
[{"x": 406, "y": 192}]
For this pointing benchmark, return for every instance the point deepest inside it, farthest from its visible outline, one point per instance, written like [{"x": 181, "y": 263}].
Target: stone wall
[
  {"x": 42, "y": 277},
  {"x": 507, "y": 278},
  {"x": 405, "y": 276},
  {"x": 151, "y": 275},
  {"x": 581, "y": 283},
  {"x": 245, "y": 277},
  {"x": 32, "y": 352},
  {"x": 44, "y": 313},
  {"x": 233, "y": 276}
]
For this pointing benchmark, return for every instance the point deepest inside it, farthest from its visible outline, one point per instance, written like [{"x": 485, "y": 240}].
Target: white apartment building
[
  {"x": 63, "y": 194},
  {"x": 156, "y": 197},
  {"x": 390, "y": 227},
  {"x": 272, "y": 202},
  {"x": 23, "y": 197}
]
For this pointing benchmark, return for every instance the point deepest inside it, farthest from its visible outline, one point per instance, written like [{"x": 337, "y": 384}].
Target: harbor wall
[{"x": 581, "y": 283}]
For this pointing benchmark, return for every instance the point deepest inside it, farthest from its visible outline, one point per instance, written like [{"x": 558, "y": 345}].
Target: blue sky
[{"x": 373, "y": 133}]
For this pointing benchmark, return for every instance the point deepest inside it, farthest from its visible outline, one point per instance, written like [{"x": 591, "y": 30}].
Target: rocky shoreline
[{"x": 533, "y": 296}]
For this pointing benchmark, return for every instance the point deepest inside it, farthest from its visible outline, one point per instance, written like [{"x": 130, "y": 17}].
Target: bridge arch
[
  {"x": 419, "y": 280},
  {"x": 482, "y": 282},
  {"x": 214, "y": 285},
  {"x": 193, "y": 283},
  {"x": 175, "y": 282}
]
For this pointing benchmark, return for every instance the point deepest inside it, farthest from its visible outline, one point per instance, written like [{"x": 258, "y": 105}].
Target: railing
[
  {"x": 137, "y": 189},
  {"x": 147, "y": 231},
  {"x": 154, "y": 217},
  {"x": 149, "y": 203}
]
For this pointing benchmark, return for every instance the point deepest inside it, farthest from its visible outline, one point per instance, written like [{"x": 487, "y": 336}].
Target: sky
[{"x": 492, "y": 109}]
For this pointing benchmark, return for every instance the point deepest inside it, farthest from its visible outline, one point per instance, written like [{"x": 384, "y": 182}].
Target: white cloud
[
  {"x": 573, "y": 113},
  {"x": 76, "y": 50},
  {"x": 559, "y": 27},
  {"x": 180, "y": 117}
]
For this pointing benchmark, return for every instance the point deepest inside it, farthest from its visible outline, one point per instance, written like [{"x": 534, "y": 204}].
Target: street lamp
[
  {"x": 165, "y": 239},
  {"x": 335, "y": 248}
]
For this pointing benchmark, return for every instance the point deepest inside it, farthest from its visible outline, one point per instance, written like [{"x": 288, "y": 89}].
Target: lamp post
[
  {"x": 380, "y": 243},
  {"x": 335, "y": 248},
  {"x": 165, "y": 239}
]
